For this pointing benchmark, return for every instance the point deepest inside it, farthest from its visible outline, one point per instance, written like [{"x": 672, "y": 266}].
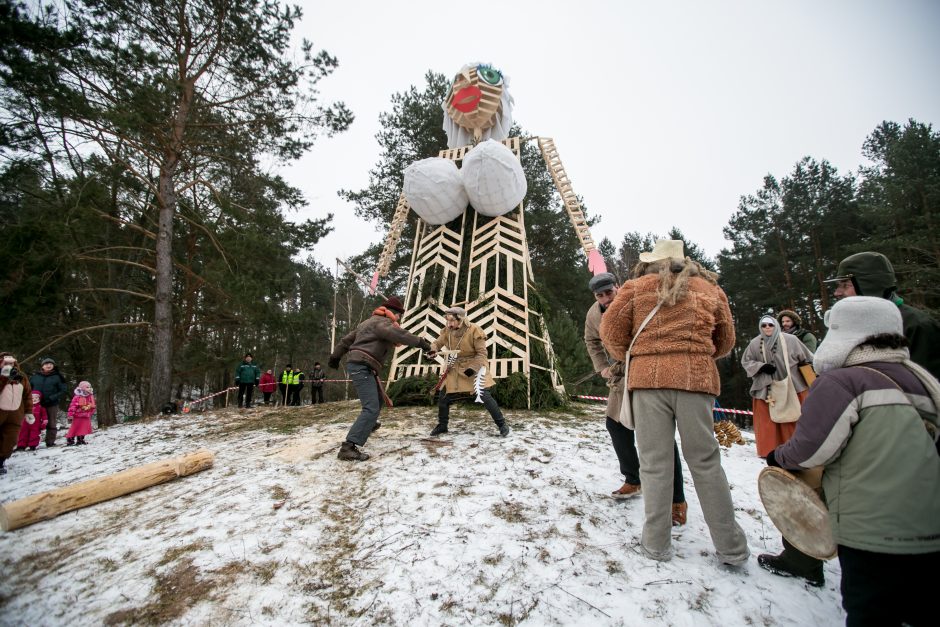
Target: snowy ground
[{"x": 474, "y": 529}]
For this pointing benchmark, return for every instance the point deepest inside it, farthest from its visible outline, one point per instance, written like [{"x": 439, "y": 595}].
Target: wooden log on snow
[{"x": 50, "y": 504}]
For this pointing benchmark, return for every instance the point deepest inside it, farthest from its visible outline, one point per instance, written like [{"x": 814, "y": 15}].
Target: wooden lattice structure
[{"x": 481, "y": 264}]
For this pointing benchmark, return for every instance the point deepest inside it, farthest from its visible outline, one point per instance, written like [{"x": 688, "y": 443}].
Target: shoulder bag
[
  {"x": 782, "y": 399},
  {"x": 626, "y": 409}
]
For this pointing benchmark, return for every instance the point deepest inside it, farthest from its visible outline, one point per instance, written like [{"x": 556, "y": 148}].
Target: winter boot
[
  {"x": 32, "y": 448},
  {"x": 439, "y": 429},
  {"x": 70, "y": 441},
  {"x": 376, "y": 427},
  {"x": 20, "y": 448},
  {"x": 794, "y": 563},
  {"x": 3, "y": 470},
  {"x": 503, "y": 429},
  {"x": 350, "y": 452},
  {"x": 680, "y": 513},
  {"x": 81, "y": 440}
]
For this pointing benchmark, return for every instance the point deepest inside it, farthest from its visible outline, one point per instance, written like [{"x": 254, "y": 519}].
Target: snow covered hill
[{"x": 472, "y": 529}]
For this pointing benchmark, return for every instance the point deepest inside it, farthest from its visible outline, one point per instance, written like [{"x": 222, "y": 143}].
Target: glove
[
  {"x": 469, "y": 372},
  {"x": 333, "y": 363},
  {"x": 424, "y": 345},
  {"x": 772, "y": 460},
  {"x": 768, "y": 369}
]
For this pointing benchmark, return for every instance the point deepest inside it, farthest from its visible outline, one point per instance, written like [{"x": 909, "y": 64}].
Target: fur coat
[{"x": 678, "y": 348}]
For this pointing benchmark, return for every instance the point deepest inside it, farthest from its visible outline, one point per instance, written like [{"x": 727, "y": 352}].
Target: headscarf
[
  {"x": 769, "y": 340},
  {"x": 84, "y": 389}
]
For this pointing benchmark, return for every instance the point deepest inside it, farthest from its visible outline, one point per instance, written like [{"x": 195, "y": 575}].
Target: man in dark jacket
[
  {"x": 50, "y": 382},
  {"x": 871, "y": 274},
  {"x": 247, "y": 376},
  {"x": 367, "y": 346},
  {"x": 791, "y": 323},
  {"x": 316, "y": 384}
]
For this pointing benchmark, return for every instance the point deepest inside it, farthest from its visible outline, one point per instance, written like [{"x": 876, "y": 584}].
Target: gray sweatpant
[{"x": 657, "y": 413}]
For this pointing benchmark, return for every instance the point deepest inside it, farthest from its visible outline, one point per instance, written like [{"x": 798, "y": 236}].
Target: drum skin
[{"x": 797, "y": 511}]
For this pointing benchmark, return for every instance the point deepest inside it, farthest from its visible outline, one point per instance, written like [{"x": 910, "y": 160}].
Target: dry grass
[{"x": 174, "y": 593}]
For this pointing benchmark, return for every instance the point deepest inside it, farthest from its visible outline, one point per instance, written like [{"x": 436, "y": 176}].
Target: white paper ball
[
  {"x": 493, "y": 178},
  {"x": 434, "y": 190}
]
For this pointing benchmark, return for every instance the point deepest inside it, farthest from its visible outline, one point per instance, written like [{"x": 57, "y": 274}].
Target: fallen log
[{"x": 51, "y": 503}]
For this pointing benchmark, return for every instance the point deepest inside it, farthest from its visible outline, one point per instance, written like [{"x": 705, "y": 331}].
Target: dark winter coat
[
  {"x": 247, "y": 372},
  {"x": 370, "y": 342},
  {"x": 316, "y": 377},
  {"x": 52, "y": 386}
]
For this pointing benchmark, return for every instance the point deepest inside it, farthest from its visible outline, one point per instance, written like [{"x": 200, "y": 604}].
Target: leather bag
[{"x": 782, "y": 399}]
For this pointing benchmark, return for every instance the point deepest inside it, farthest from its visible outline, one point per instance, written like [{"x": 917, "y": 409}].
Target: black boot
[
  {"x": 70, "y": 441},
  {"x": 503, "y": 429},
  {"x": 376, "y": 427},
  {"x": 350, "y": 452},
  {"x": 3, "y": 470},
  {"x": 794, "y": 563},
  {"x": 439, "y": 429},
  {"x": 81, "y": 440}
]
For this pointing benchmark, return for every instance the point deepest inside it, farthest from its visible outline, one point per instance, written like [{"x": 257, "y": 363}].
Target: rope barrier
[{"x": 717, "y": 409}]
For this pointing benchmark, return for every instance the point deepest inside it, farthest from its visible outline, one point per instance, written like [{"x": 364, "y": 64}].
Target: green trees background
[{"x": 145, "y": 241}]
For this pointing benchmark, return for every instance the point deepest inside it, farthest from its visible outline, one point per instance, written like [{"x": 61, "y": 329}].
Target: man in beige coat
[
  {"x": 466, "y": 374},
  {"x": 604, "y": 287}
]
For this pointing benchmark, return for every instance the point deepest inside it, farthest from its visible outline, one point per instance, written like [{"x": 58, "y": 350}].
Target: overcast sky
[{"x": 664, "y": 113}]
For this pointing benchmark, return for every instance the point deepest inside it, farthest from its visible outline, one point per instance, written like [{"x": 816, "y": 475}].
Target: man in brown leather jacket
[{"x": 367, "y": 346}]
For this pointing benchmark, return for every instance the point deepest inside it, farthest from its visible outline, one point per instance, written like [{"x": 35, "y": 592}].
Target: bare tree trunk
[
  {"x": 162, "y": 364},
  {"x": 107, "y": 415}
]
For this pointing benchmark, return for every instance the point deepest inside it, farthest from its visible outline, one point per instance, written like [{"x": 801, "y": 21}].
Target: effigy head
[{"x": 478, "y": 106}]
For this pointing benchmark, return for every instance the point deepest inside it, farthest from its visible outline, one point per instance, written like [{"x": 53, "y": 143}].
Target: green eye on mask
[{"x": 490, "y": 75}]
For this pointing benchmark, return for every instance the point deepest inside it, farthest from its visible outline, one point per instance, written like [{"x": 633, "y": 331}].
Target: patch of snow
[{"x": 468, "y": 528}]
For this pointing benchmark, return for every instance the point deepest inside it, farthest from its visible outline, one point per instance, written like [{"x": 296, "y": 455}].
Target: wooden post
[{"x": 50, "y": 504}]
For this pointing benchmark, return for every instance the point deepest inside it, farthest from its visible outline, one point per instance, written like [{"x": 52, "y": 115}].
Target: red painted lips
[{"x": 467, "y": 99}]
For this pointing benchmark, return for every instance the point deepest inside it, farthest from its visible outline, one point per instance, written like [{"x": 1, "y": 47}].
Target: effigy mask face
[{"x": 475, "y": 96}]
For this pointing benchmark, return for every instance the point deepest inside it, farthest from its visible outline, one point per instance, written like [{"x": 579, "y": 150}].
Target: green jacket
[{"x": 247, "y": 372}]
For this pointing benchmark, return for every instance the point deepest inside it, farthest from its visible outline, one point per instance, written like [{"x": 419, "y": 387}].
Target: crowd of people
[
  {"x": 29, "y": 408},
  {"x": 860, "y": 405},
  {"x": 289, "y": 384}
]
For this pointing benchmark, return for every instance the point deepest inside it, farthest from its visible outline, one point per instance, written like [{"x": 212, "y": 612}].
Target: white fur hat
[
  {"x": 851, "y": 321},
  {"x": 664, "y": 249}
]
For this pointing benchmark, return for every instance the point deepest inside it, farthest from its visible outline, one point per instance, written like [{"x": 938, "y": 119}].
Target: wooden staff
[{"x": 50, "y": 504}]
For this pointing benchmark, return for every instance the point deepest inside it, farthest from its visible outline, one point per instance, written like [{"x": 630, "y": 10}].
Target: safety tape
[
  {"x": 205, "y": 398},
  {"x": 717, "y": 409}
]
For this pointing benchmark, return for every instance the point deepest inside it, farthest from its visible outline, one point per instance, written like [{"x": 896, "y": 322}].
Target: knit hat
[
  {"x": 458, "y": 312},
  {"x": 851, "y": 321},
  {"x": 871, "y": 273},
  {"x": 47, "y": 360},
  {"x": 602, "y": 282},
  {"x": 394, "y": 304},
  {"x": 664, "y": 249},
  {"x": 792, "y": 315}
]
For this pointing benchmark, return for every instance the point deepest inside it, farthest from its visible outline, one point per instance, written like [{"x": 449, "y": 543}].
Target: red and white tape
[
  {"x": 717, "y": 409},
  {"x": 205, "y": 398}
]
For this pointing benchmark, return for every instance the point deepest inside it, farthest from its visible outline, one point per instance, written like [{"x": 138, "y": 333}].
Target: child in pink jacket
[
  {"x": 34, "y": 425},
  {"x": 81, "y": 409}
]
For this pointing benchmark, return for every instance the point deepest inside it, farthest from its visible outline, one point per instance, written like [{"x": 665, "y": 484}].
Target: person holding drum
[
  {"x": 770, "y": 358},
  {"x": 871, "y": 420}
]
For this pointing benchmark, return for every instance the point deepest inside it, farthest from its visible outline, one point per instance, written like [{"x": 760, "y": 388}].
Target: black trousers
[
  {"x": 445, "y": 401},
  {"x": 881, "y": 589},
  {"x": 293, "y": 395},
  {"x": 283, "y": 388},
  {"x": 624, "y": 441},
  {"x": 316, "y": 394},
  {"x": 267, "y": 397},
  {"x": 245, "y": 392}
]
